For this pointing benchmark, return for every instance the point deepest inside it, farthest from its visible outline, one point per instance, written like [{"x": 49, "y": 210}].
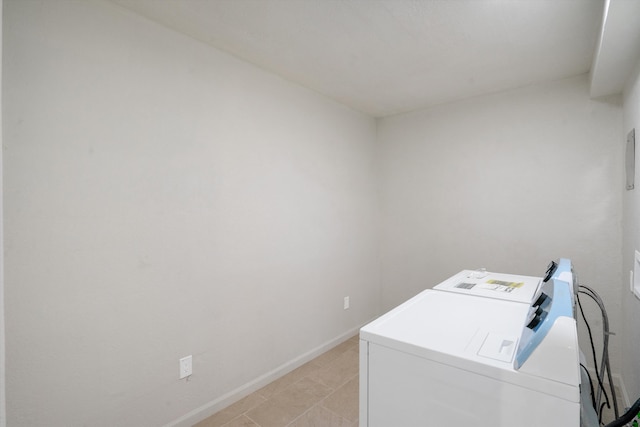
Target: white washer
[{"x": 447, "y": 359}]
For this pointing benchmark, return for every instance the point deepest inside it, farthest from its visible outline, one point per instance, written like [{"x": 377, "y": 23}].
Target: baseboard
[
  {"x": 623, "y": 390},
  {"x": 623, "y": 398},
  {"x": 233, "y": 396}
]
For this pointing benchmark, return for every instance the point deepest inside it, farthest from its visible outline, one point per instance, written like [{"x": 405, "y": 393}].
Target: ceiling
[{"x": 384, "y": 57}]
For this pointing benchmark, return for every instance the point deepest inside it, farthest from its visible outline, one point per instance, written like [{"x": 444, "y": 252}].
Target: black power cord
[
  {"x": 605, "y": 366},
  {"x": 627, "y": 416},
  {"x": 595, "y": 364},
  {"x": 593, "y": 395}
]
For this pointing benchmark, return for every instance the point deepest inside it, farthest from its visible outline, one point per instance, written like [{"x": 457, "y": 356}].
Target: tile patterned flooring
[{"x": 320, "y": 393}]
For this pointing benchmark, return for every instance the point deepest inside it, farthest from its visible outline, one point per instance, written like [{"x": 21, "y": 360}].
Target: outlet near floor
[
  {"x": 186, "y": 365},
  {"x": 346, "y": 303}
]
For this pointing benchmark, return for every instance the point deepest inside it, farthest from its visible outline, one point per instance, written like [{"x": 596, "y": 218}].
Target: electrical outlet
[
  {"x": 636, "y": 275},
  {"x": 346, "y": 303},
  {"x": 186, "y": 366}
]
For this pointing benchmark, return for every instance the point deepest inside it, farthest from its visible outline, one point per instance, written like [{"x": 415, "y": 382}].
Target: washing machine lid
[
  {"x": 437, "y": 324},
  {"x": 507, "y": 287},
  {"x": 479, "y": 335}
]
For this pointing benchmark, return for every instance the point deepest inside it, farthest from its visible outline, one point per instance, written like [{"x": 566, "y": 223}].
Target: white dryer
[{"x": 508, "y": 287}]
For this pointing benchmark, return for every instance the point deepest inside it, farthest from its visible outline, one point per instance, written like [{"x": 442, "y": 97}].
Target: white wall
[
  {"x": 3, "y": 411},
  {"x": 163, "y": 199},
  {"x": 507, "y": 182},
  {"x": 630, "y": 336}
]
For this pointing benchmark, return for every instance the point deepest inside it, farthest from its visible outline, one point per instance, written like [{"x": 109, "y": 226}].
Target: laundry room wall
[
  {"x": 3, "y": 410},
  {"x": 630, "y": 336},
  {"x": 507, "y": 182},
  {"x": 164, "y": 199}
]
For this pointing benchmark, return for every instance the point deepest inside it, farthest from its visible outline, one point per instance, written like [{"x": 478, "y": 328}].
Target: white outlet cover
[
  {"x": 636, "y": 275},
  {"x": 186, "y": 366}
]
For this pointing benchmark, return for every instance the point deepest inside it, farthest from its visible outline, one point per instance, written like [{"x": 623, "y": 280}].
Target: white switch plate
[
  {"x": 636, "y": 275},
  {"x": 346, "y": 303},
  {"x": 186, "y": 366}
]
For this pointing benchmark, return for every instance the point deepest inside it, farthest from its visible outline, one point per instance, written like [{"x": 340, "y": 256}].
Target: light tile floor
[{"x": 320, "y": 393}]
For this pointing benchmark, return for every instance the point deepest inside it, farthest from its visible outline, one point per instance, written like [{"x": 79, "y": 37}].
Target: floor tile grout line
[
  {"x": 318, "y": 403},
  {"x": 252, "y": 420},
  {"x": 246, "y": 412},
  {"x": 341, "y": 385},
  {"x": 332, "y": 392},
  {"x": 301, "y": 415},
  {"x": 307, "y": 376},
  {"x": 335, "y": 413},
  {"x": 315, "y": 404},
  {"x": 347, "y": 347},
  {"x": 332, "y": 411},
  {"x": 267, "y": 400}
]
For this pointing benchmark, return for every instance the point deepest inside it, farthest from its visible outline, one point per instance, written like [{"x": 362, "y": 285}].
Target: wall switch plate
[
  {"x": 346, "y": 303},
  {"x": 630, "y": 159},
  {"x": 636, "y": 275},
  {"x": 186, "y": 366}
]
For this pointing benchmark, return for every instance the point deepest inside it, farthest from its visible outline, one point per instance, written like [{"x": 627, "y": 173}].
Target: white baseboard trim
[
  {"x": 244, "y": 390},
  {"x": 623, "y": 400},
  {"x": 623, "y": 390}
]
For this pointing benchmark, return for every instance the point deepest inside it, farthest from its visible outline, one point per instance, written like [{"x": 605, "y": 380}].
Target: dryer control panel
[{"x": 554, "y": 302}]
